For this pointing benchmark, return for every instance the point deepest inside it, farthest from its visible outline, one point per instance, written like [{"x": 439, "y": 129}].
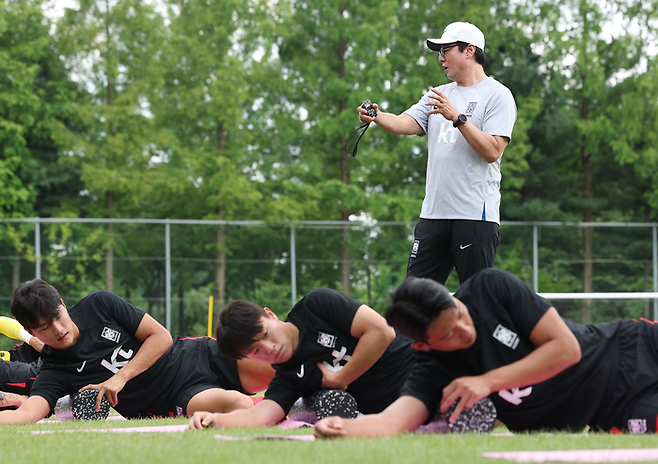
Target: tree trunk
[
  {"x": 588, "y": 232},
  {"x": 220, "y": 259},
  {"x": 109, "y": 253},
  {"x": 220, "y": 267},
  {"x": 181, "y": 311},
  {"x": 345, "y": 256},
  {"x": 16, "y": 273}
]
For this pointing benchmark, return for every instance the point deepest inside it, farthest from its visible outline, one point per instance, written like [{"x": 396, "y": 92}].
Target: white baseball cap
[{"x": 458, "y": 32}]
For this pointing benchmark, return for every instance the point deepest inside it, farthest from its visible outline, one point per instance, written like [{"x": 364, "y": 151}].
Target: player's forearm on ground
[
  {"x": 267, "y": 412},
  {"x": 402, "y": 124},
  {"x": 487, "y": 146}
]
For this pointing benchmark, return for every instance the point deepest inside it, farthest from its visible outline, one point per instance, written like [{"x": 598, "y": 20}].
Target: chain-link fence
[{"x": 170, "y": 268}]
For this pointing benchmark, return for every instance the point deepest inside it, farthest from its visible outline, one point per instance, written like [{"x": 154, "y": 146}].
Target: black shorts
[
  {"x": 633, "y": 406},
  {"x": 18, "y": 377},
  {"x": 208, "y": 369},
  {"x": 443, "y": 244}
]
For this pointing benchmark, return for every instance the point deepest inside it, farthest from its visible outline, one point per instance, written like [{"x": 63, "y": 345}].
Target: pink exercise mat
[{"x": 597, "y": 455}]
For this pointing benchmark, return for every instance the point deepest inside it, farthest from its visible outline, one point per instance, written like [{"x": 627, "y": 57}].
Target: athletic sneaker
[
  {"x": 82, "y": 406},
  {"x": 324, "y": 403},
  {"x": 481, "y": 418}
]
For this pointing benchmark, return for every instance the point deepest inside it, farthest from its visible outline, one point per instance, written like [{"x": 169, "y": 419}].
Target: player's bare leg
[
  {"x": 255, "y": 376},
  {"x": 218, "y": 400}
]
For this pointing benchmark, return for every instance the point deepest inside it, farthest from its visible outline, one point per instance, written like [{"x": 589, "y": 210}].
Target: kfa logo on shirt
[
  {"x": 326, "y": 340},
  {"x": 111, "y": 334},
  {"x": 506, "y": 337}
]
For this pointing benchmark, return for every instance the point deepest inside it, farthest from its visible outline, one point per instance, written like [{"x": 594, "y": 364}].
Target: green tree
[
  {"x": 206, "y": 95},
  {"x": 114, "y": 50},
  {"x": 35, "y": 98}
]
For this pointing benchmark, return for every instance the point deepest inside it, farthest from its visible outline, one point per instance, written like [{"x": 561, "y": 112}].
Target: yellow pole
[{"x": 210, "y": 316}]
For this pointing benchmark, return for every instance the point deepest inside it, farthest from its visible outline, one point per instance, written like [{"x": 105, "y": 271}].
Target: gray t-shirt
[{"x": 460, "y": 184}]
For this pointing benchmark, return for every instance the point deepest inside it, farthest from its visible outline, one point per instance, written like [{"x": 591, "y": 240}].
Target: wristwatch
[{"x": 461, "y": 119}]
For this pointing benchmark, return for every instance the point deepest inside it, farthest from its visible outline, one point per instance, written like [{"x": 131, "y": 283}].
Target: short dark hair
[
  {"x": 34, "y": 302},
  {"x": 239, "y": 325},
  {"x": 480, "y": 57},
  {"x": 416, "y": 302}
]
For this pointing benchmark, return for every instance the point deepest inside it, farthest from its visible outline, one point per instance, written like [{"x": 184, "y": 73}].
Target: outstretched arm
[
  {"x": 32, "y": 410},
  {"x": 156, "y": 340},
  {"x": 374, "y": 336},
  {"x": 267, "y": 412},
  {"x": 557, "y": 349},
  {"x": 401, "y": 124},
  {"x": 404, "y": 415}
]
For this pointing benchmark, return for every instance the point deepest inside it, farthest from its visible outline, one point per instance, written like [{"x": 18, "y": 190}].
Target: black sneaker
[
  {"x": 82, "y": 406},
  {"x": 481, "y": 418},
  {"x": 324, "y": 403}
]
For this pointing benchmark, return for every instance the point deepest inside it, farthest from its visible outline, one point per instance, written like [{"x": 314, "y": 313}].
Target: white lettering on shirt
[
  {"x": 338, "y": 357},
  {"x": 116, "y": 365},
  {"x": 515, "y": 395}
]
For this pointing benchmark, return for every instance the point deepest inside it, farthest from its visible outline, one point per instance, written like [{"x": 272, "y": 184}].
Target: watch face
[{"x": 463, "y": 118}]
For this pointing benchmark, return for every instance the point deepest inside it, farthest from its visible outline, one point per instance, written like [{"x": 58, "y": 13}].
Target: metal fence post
[
  {"x": 293, "y": 266},
  {"x": 168, "y": 275},
  {"x": 655, "y": 269},
  {"x": 535, "y": 258}
]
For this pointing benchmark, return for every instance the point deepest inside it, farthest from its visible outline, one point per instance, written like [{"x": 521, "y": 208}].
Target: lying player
[
  {"x": 328, "y": 341},
  {"x": 106, "y": 344},
  {"x": 497, "y": 338}
]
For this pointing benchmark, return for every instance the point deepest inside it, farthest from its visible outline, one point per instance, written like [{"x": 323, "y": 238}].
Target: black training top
[
  {"x": 324, "y": 319},
  {"x": 505, "y": 311},
  {"x": 107, "y": 326}
]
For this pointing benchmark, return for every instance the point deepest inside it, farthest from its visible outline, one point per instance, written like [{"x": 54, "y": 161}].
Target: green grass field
[{"x": 18, "y": 445}]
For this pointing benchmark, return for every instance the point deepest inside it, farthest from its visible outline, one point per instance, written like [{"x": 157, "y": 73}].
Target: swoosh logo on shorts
[
  {"x": 300, "y": 374},
  {"x": 463, "y": 247}
]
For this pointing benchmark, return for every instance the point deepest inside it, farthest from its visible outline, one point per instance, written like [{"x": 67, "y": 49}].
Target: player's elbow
[{"x": 572, "y": 352}]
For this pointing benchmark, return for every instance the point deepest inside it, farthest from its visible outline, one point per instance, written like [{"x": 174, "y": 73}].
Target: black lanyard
[{"x": 356, "y": 144}]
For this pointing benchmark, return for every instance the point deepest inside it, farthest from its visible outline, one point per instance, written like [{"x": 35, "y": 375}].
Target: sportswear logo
[
  {"x": 515, "y": 395},
  {"x": 463, "y": 247},
  {"x": 111, "y": 334},
  {"x": 79, "y": 369},
  {"x": 637, "y": 426},
  {"x": 506, "y": 337},
  {"x": 471, "y": 107},
  {"x": 300, "y": 374}
]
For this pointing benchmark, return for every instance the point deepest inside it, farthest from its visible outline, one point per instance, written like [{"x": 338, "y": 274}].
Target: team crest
[
  {"x": 506, "y": 337},
  {"x": 111, "y": 334},
  {"x": 414, "y": 248},
  {"x": 471, "y": 107},
  {"x": 326, "y": 340},
  {"x": 637, "y": 426}
]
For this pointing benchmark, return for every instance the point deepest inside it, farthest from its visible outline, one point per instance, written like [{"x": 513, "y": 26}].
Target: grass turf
[{"x": 17, "y": 445}]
